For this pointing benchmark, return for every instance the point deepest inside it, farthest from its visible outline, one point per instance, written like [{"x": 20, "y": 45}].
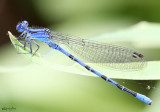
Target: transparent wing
[{"x": 102, "y": 53}]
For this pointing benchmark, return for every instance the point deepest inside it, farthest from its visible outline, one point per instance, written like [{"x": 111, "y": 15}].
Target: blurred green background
[{"x": 31, "y": 87}]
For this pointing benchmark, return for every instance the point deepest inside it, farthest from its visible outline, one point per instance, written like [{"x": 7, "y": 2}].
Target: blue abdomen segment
[
  {"x": 144, "y": 98},
  {"x": 137, "y": 95}
]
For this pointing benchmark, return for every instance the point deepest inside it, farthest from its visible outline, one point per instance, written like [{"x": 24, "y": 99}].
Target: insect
[{"x": 93, "y": 51}]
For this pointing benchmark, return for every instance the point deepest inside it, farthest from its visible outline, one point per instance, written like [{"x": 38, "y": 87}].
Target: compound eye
[
  {"x": 25, "y": 22},
  {"x": 18, "y": 26}
]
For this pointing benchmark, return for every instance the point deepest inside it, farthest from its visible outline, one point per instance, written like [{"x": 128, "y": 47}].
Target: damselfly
[{"x": 95, "y": 52}]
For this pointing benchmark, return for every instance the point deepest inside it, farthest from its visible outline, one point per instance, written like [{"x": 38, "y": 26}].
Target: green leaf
[
  {"x": 143, "y": 36},
  {"x": 36, "y": 58}
]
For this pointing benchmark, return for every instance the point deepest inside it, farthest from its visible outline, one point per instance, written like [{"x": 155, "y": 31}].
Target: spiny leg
[
  {"x": 25, "y": 42},
  {"x": 30, "y": 44},
  {"x": 36, "y": 45}
]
